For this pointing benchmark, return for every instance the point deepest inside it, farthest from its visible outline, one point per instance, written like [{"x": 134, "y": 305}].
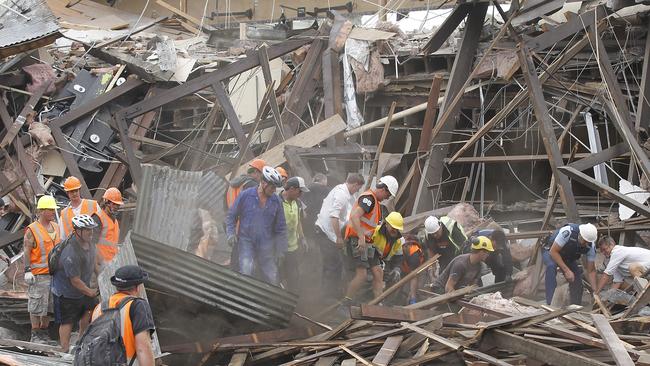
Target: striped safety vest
[
  {"x": 126, "y": 328},
  {"x": 88, "y": 207},
  {"x": 109, "y": 237},
  {"x": 411, "y": 249},
  {"x": 44, "y": 245},
  {"x": 369, "y": 221}
]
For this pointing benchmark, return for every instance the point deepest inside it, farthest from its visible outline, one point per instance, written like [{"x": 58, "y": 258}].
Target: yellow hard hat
[
  {"x": 482, "y": 242},
  {"x": 395, "y": 220},
  {"x": 46, "y": 203}
]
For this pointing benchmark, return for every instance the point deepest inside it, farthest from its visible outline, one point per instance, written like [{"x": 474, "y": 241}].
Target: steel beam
[{"x": 447, "y": 27}]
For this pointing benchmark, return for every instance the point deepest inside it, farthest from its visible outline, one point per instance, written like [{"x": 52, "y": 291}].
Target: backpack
[
  {"x": 101, "y": 344},
  {"x": 54, "y": 255}
]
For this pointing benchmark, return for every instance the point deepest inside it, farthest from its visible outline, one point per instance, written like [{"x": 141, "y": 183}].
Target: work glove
[
  {"x": 394, "y": 275},
  {"x": 29, "y": 278},
  {"x": 232, "y": 241}
]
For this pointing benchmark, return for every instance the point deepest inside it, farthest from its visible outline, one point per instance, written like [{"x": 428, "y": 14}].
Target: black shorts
[
  {"x": 353, "y": 259},
  {"x": 70, "y": 311}
]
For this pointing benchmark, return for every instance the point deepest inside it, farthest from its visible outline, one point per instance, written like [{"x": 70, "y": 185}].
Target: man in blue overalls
[{"x": 563, "y": 249}]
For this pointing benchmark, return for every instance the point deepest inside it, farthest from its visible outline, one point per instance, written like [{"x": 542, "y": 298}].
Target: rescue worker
[
  {"x": 77, "y": 206},
  {"x": 332, "y": 217},
  {"x": 40, "y": 238},
  {"x": 465, "y": 269},
  {"x": 499, "y": 261},
  {"x": 444, "y": 237},
  {"x": 413, "y": 258},
  {"x": 293, "y": 215},
  {"x": 385, "y": 247},
  {"x": 137, "y": 323},
  {"x": 74, "y": 299},
  {"x": 562, "y": 249},
  {"x": 250, "y": 179},
  {"x": 624, "y": 263},
  {"x": 262, "y": 231},
  {"x": 110, "y": 232},
  {"x": 313, "y": 201}
]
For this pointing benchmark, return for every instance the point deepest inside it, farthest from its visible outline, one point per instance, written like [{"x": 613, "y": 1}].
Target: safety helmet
[
  {"x": 283, "y": 173},
  {"x": 391, "y": 183},
  {"x": 258, "y": 164},
  {"x": 46, "y": 202},
  {"x": 588, "y": 232},
  {"x": 482, "y": 242},
  {"x": 113, "y": 194},
  {"x": 83, "y": 222},
  {"x": 71, "y": 184},
  {"x": 395, "y": 220},
  {"x": 431, "y": 225},
  {"x": 272, "y": 176}
]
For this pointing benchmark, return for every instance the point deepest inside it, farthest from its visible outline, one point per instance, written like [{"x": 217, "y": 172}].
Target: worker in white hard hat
[
  {"x": 563, "y": 249},
  {"x": 443, "y": 236}
]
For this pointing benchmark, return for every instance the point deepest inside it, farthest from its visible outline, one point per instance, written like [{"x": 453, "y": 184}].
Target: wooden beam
[
  {"x": 603, "y": 156},
  {"x": 29, "y": 107},
  {"x": 448, "y": 26},
  {"x": 392, "y": 314},
  {"x": 203, "y": 142},
  {"x": 642, "y": 300},
  {"x": 643, "y": 107},
  {"x": 614, "y": 344},
  {"x": 442, "y": 299},
  {"x": 606, "y": 191},
  {"x": 123, "y": 130},
  {"x": 356, "y": 356},
  {"x": 231, "y": 115},
  {"x": 512, "y": 158},
  {"x": 387, "y": 351},
  {"x": 536, "y": 96},
  {"x": 537, "y": 350},
  {"x": 574, "y": 25},
  {"x": 380, "y": 146},
  {"x": 263, "y": 55}
]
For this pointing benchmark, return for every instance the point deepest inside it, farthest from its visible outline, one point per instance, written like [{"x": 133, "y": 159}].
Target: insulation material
[
  {"x": 634, "y": 192},
  {"x": 353, "y": 49},
  {"x": 39, "y": 75},
  {"x": 42, "y": 133},
  {"x": 495, "y": 301}
]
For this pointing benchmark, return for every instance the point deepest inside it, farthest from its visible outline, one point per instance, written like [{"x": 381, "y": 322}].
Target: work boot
[{"x": 35, "y": 337}]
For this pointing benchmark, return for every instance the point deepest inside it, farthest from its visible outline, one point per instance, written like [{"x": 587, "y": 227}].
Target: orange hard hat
[
  {"x": 71, "y": 184},
  {"x": 113, "y": 194},
  {"x": 283, "y": 173},
  {"x": 258, "y": 164}
]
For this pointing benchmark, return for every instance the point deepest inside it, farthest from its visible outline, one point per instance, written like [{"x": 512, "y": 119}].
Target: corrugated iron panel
[
  {"x": 124, "y": 257},
  {"x": 185, "y": 274},
  {"x": 34, "y": 360},
  {"x": 166, "y": 208},
  {"x": 212, "y": 193},
  {"x": 17, "y": 29}
]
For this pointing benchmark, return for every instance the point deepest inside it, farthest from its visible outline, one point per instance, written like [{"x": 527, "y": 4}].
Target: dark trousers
[
  {"x": 290, "y": 271},
  {"x": 331, "y": 278},
  {"x": 575, "y": 287}
]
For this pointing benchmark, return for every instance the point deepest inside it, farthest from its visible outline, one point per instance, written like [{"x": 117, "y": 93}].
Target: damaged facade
[{"x": 516, "y": 116}]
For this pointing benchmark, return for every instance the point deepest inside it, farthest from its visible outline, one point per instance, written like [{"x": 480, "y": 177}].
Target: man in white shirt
[
  {"x": 624, "y": 262},
  {"x": 332, "y": 217}
]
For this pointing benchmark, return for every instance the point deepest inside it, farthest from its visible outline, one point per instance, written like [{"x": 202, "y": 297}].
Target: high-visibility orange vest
[
  {"x": 44, "y": 244},
  {"x": 128, "y": 338},
  {"x": 88, "y": 207},
  {"x": 231, "y": 195},
  {"x": 411, "y": 249},
  {"x": 109, "y": 237},
  {"x": 368, "y": 220}
]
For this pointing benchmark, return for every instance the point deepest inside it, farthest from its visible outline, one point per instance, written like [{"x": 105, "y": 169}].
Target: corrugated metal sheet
[
  {"x": 125, "y": 256},
  {"x": 185, "y": 274},
  {"x": 33, "y": 360},
  {"x": 17, "y": 29},
  {"x": 166, "y": 208}
]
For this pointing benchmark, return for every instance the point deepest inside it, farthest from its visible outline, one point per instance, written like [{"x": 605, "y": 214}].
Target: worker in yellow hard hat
[
  {"x": 77, "y": 206},
  {"x": 465, "y": 269},
  {"x": 384, "y": 256},
  {"x": 110, "y": 233},
  {"x": 40, "y": 238}
]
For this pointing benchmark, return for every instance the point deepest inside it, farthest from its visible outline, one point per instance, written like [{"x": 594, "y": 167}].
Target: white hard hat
[
  {"x": 588, "y": 232},
  {"x": 391, "y": 183},
  {"x": 431, "y": 225}
]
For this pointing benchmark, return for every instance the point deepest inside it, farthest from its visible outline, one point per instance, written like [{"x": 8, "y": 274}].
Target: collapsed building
[{"x": 524, "y": 115}]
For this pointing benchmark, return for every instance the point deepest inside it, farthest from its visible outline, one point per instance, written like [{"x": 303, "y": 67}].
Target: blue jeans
[
  {"x": 575, "y": 287},
  {"x": 254, "y": 254}
]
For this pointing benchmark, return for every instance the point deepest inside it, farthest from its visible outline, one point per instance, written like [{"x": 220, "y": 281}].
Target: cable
[{"x": 136, "y": 23}]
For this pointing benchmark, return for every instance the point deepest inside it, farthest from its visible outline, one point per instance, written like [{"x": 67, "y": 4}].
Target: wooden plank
[
  {"x": 613, "y": 343},
  {"x": 448, "y": 26},
  {"x": 603, "y": 156},
  {"x": 387, "y": 351},
  {"x": 263, "y": 55},
  {"x": 512, "y": 158},
  {"x": 238, "y": 359},
  {"x": 231, "y": 116},
  {"x": 442, "y": 340},
  {"x": 356, "y": 356},
  {"x": 509, "y": 321},
  {"x": 606, "y": 191},
  {"x": 184, "y": 15},
  {"x": 576, "y": 336},
  {"x": 643, "y": 106},
  {"x": 642, "y": 300},
  {"x": 536, "y": 96},
  {"x": 562, "y": 31},
  {"x": 18, "y": 123},
  {"x": 427, "y": 357},
  {"x": 380, "y": 146},
  {"x": 442, "y": 299},
  {"x": 326, "y": 361},
  {"x": 536, "y": 350},
  {"x": 308, "y": 138},
  {"x": 396, "y": 314}
]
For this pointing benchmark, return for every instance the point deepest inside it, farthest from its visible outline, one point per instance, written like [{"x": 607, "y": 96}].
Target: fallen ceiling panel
[{"x": 187, "y": 275}]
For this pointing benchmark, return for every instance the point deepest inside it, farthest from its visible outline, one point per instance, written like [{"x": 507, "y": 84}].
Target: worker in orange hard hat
[
  {"x": 77, "y": 206},
  {"x": 110, "y": 232},
  {"x": 283, "y": 174}
]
